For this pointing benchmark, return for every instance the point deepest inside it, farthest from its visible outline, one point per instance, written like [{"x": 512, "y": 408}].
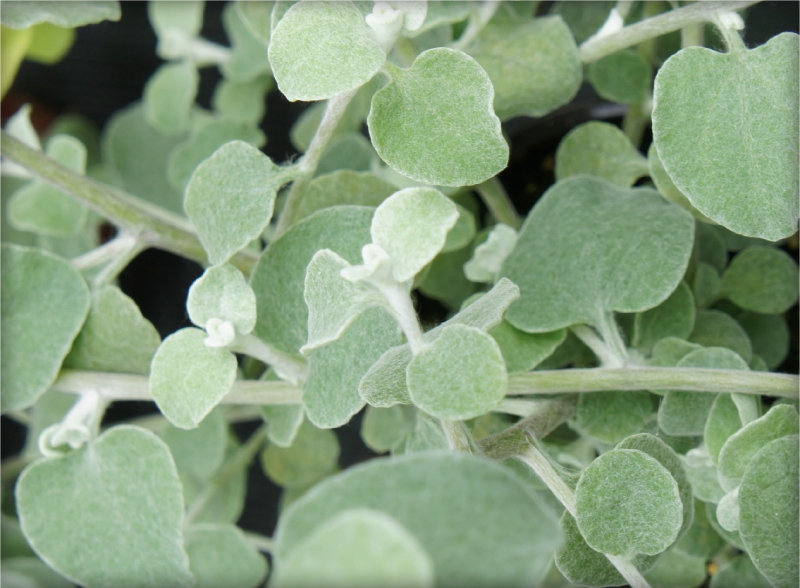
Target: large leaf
[
  {"x": 726, "y": 129},
  {"x": 44, "y": 304},
  {"x": 65, "y": 510},
  {"x": 434, "y": 121},
  {"x": 477, "y": 520},
  {"x": 571, "y": 269},
  {"x": 533, "y": 65},
  {"x": 322, "y": 49}
]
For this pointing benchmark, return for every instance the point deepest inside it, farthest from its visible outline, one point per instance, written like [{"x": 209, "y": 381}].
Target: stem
[
  {"x": 239, "y": 460},
  {"x": 104, "y": 253},
  {"x": 653, "y": 378},
  {"x": 599, "y": 347},
  {"x": 157, "y": 423},
  {"x": 399, "y": 298},
  {"x": 477, "y": 21},
  {"x": 499, "y": 204},
  {"x": 261, "y": 542},
  {"x": 156, "y": 226},
  {"x": 307, "y": 165},
  {"x": 134, "y": 387},
  {"x": 116, "y": 265},
  {"x": 611, "y": 335},
  {"x": 534, "y": 459},
  {"x": 693, "y": 35},
  {"x": 594, "y": 49},
  {"x": 287, "y": 366},
  {"x": 458, "y": 437}
]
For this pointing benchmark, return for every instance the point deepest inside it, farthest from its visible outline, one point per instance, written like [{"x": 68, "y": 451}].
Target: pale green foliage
[
  {"x": 769, "y": 505},
  {"x": 676, "y": 568},
  {"x": 769, "y": 335},
  {"x": 45, "y": 302},
  {"x": 242, "y": 101},
  {"x": 312, "y": 455},
  {"x": 581, "y": 564},
  {"x": 40, "y": 207},
  {"x": 222, "y": 293},
  {"x": 628, "y": 503},
  {"x": 672, "y": 318},
  {"x": 281, "y": 270},
  {"x": 360, "y": 548},
  {"x": 565, "y": 246},
  {"x": 21, "y": 15},
  {"x": 29, "y": 572},
  {"x": 612, "y": 416},
  {"x": 427, "y": 435},
  {"x": 417, "y": 491},
  {"x": 667, "y": 187},
  {"x": 199, "y": 452},
  {"x": 221, "y": 555},
  {"x": 186, "y": 16},
  {"x": 584, "y": 19},
  {"x": 700, "y": 539},
  {"x": 188, "y": 378},
  {"x": 533, "y": 65},
  {"x": 397, "y": 229},
  {"x": 115, "y": 337},
  {"x": 344, "y": 187},
  {"x": 524, "y": 351},
  {"x": 739, "y": 573},
  {"x": 723, "y": 421},
  {"x": 330, "y": 395},
  {"x": 169, "y": 95},
  {"x": 488, "y": 257},
  {"x": 602, "y": 150},
  {"x": 257, "y": 16},
  {"x": 320, "y": 50},
  {"x": 63, "y": 507},
  {"x": 248, "y": 59},
  {"x": 622, "y": 77},
  {"x": 284, "y": 421},
  {"x": 762, "y": 279},
  {"x": 714, "y": 328},
  {"x": 747, "y": 155},
  {"x": 462, "y": 232},
  {"x": 434, "y": 121},
  {"x": 383, "y": 429},
  {"x": 461, "y": 375}
]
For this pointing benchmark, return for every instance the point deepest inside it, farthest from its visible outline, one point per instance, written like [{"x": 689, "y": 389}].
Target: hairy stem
[
  {"x": 499, "y": 204},
  {"x": 458, "y": 437},
  {"x": 155, "y": 226},
  {"x": 597, "y": 48},
  {"x": 261, "y": 542},
  {"x": 477, "y": 21},
  {"x": 289, "y": 367}
]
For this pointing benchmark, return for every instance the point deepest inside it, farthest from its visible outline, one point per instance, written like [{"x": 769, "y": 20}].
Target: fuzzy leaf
[
  {"x": 612, "y": 416},
  {"x": 199, "y": 452},
  {"x": 533, "y": 65},
  {"x": 186, "y": 16},
  {"x": 63, "y": 506},
  {"x": 739, "y": 573},
  {"x": 359, "y": 548},
  {"x": 653, "y": 238},
  {"x": 462, "y": 232},
  {"x": 169, "y": 96},
  {"x": 222, "y": 293},
  {"x": 323, "y": 49},
  {"x": 672, "y": 318},
  {"x": 434, "y": 121},
  {"x": 506, "y": 540},
  {"x": 769, "y": 335},
  {"x": 723, "y": 421},
  {"x": 243, "y": 102},
  {"x": 762, "y": 279},
  {"x": 344, "y": 186},
  {"x": 744, "y": 105},
  {"x": 524, "y": 351},
  {"x": 383, "y": 429},
  {"x": 622, "y": 77},
  {"x": 221, "y": 555},
  {"x": 115, "y": 337},
  {"x": 44, "y": 302},
  {"x": 188, "y": 378},
  {"x": 628, "y": 503},
  {"x": 714, "y": 328},
  {"x": 284, "y": 421},
  {"x": 676, "y": 568},
  {"x": 768, "y": 521},
  {"x": 21, "y": 15},
  {"x": 313, "y": 454},
  {"x": 411, "y": 226},
  {"x": 581, "y": 564},
  {"x": 248, "y": 58}
]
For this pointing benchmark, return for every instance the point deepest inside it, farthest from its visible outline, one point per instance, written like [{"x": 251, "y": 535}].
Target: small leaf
[
  {"x": 612, "y": 416},
  {"x": 320, "y": 50},
  {"x": 676, "y": 568},
  {"x": 668, "y": 352},
  {"x": 769, "y": 335},
  {"x": 768, "y": 521},
  {"x": 584, "y": 19},
  {"x": 672, "y": 318},
  {"x": 412, "y": 226},
  {"x": 445, "y": 280},
  {"x": 344, "y": 186},
  {"x": 199, "y": 452},
  {"x": 602, "y": 150},
  {"x": 739, "y": 573},
  {"x": 714, "y": 328},
  {"x": 533, "y": 65},
  {"x": 243, "y": 102},
  {"x": 139, "y": 541},
  {"x": 188, "y": 378},
  {"x": 701, "y": 539},
  {"x": 654, "y": 238},
  {"x": 115, "y": 337},
  {"x": 488, "y": 257},
  {"x": 220, "y": 555},
  {"x": 281, "y": 271},
  {"x": 222, "y": 293},
  {"x": 330, "y": 394},
  {"x": 284, "y": 421},
  {"x": 383, "y": 429},
  {"x": 628, "y": 503},
  {"x": 728, "y": 510},
  {"x": 258, "y": 19},
  {"x": 169, "y": 95},
  {"x": 188, "y": 156},
  {"x": 462, "y": 232},
  {"x": 739, "y": 449},
  {"x": 706, "y": 285},
  {"x": 248, "y": 58},
  {"x": 702, "y": 474},
  {"x": 359, "y": 548},
  {"x": 186, "y": 16},
  {"x": 711, "y": 246},
  {"x": 622, "y": 77},
  {"x": 524, "y": 351},
  {"x": 685, "y": 413},
  {"x": 45, "y": 302},
  {"x": 35, "y": 571},
  {"x": 21, "y": 15},
  {"x": 313, "y": 454},
  {"x": 723, "y": 421},
  {"x": 581, "y": 564},
  {"x": 461, "y": 375},
  {"x": 762, "y": 279},
  {"x": 428, "y": 127},
  {"x": 744, "y": 105},
  {"x": 427, "y": 435},
  {"x": 504, "y": 534}
]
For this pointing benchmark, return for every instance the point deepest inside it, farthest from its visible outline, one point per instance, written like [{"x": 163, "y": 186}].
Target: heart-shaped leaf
[
  {"x": 622, "y": 77},
  {"x": 169, "y": 96},
  {"x": 762, "y": 279},
  {"x": 222, "y": 293},
  {"x": 383, "y": 429},
  {"x": 63, "y": 506}
]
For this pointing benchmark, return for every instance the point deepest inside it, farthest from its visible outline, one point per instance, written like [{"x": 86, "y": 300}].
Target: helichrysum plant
[{"x": 598, "y": 409}]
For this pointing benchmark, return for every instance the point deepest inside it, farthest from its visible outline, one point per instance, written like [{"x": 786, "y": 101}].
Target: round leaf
[
  {"x": 627, "y": 503},
  {"x": 612, "y": 416},
  {"x": 565, "y": 247},
  {"x": 45, "y": 302},
  {"x": 169, "y": 95},
  {"x": 322, "y": 49},
  {"x": 64, "y": 506},
  {"x": 314, "y": 453},
  {"x": 762, "y": 279},
  {"x": 221, "y": 555},
  {"x": 744, "y": 106},
  {"x": 222, "y": 293},
  {"x": 672, "y": 318},
  {"x": 434, "y": 122},
  {"x": 622, "y": 77},
  {"x": 21, "y": 15},
  {"x": 459, "y": 376}
]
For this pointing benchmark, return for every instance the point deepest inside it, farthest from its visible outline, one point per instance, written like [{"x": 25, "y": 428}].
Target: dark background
[{"x": 107, "y": 68}]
